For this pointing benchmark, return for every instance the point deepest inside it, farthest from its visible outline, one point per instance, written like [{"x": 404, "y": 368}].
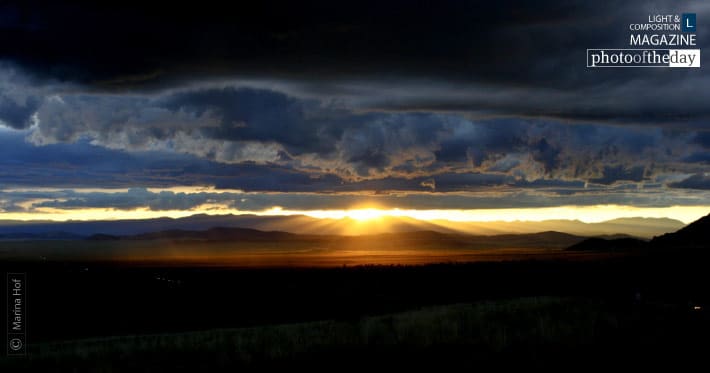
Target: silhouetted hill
[
  {"x": 549, "y": 239},
  {"x": 403, "y": 240},
  {"x": 695, "y": 235},
  {"x": 601, "y": 244},
  {"x": 40, "y": 236},
  {"x": 215, "y": 234},
  {"x": 103, "y": 237}
]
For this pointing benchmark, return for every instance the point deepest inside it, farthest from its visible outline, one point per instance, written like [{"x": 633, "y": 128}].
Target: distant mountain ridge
[
  {"x": 636, "y": 227},
  {"x": 40, "y": 236},
  {"x": 610, "y": 245},
  {"x": 212, "y": 234},
  {"x": 550, "y": 240},
  {"x": 695, "y": 235}
]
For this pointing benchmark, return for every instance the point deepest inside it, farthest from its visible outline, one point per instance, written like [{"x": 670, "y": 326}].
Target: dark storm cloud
[
  {"x": 19, "y": 100},
  {"x": 31, "y": 201},
  {"x": 239, "y": 125},
  {"x": 702, "y": 138},
  {"x": 257, "y": 115},
  {"x": 133, "y": 198},
  {"x": 83, "y": 165},
  {"x": 368, "y": 141},
  {"x": 474, "y": 144},
  {"x": 620, "y": 173},
  {"x": 513, "y": 170},
  {"x": 15, "y": 114},
  {"x": 308, "y": 143},
  {"x": 337, "y": 97},
  {"x": 130, "y": 42},
  {"x": 508, "y": 57},
  {"x": 697, "y": 181},
  {"x": 699, "y": 157},
  {"x": 546, "y": 154}
]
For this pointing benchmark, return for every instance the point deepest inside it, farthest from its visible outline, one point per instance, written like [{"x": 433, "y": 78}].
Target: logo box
[{"x": 688, "y": 22}]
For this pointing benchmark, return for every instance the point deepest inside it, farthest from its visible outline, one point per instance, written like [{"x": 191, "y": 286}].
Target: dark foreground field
[
  {"x": 574, "y": 333},
  {"x": 635, "y": 310}
]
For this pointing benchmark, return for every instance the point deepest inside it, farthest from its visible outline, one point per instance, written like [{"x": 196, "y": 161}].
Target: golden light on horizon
[
  {"x": 587, "y": 214},
  {"x": 366, "y": 214}
]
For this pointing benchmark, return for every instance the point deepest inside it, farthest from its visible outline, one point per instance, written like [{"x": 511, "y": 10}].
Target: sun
[{"x": 365, "y": 214}]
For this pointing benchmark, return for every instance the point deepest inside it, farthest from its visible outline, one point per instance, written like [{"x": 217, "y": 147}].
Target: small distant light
[{"x": 697, "y": 308}]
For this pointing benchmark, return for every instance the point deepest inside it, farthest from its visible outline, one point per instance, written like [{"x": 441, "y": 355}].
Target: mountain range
[
  {"x": 645, "y": 228},
  {"x": 695, "y": 235},
  {"x": 252, "y": 247}
]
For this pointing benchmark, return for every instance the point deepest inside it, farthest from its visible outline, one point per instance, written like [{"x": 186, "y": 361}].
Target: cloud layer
[
  {"x": 415, "y": 105},
  {"x": 239, "y": 125},
  {"x": 483, "y": 58}
]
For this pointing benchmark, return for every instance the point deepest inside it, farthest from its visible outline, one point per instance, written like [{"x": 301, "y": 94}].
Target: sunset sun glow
[
  {"x": 366, "y": 214},
  {"x": 587, "y": 214}
]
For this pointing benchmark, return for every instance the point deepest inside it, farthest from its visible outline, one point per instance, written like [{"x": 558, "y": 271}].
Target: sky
[{"x": 438, "y": 109}]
